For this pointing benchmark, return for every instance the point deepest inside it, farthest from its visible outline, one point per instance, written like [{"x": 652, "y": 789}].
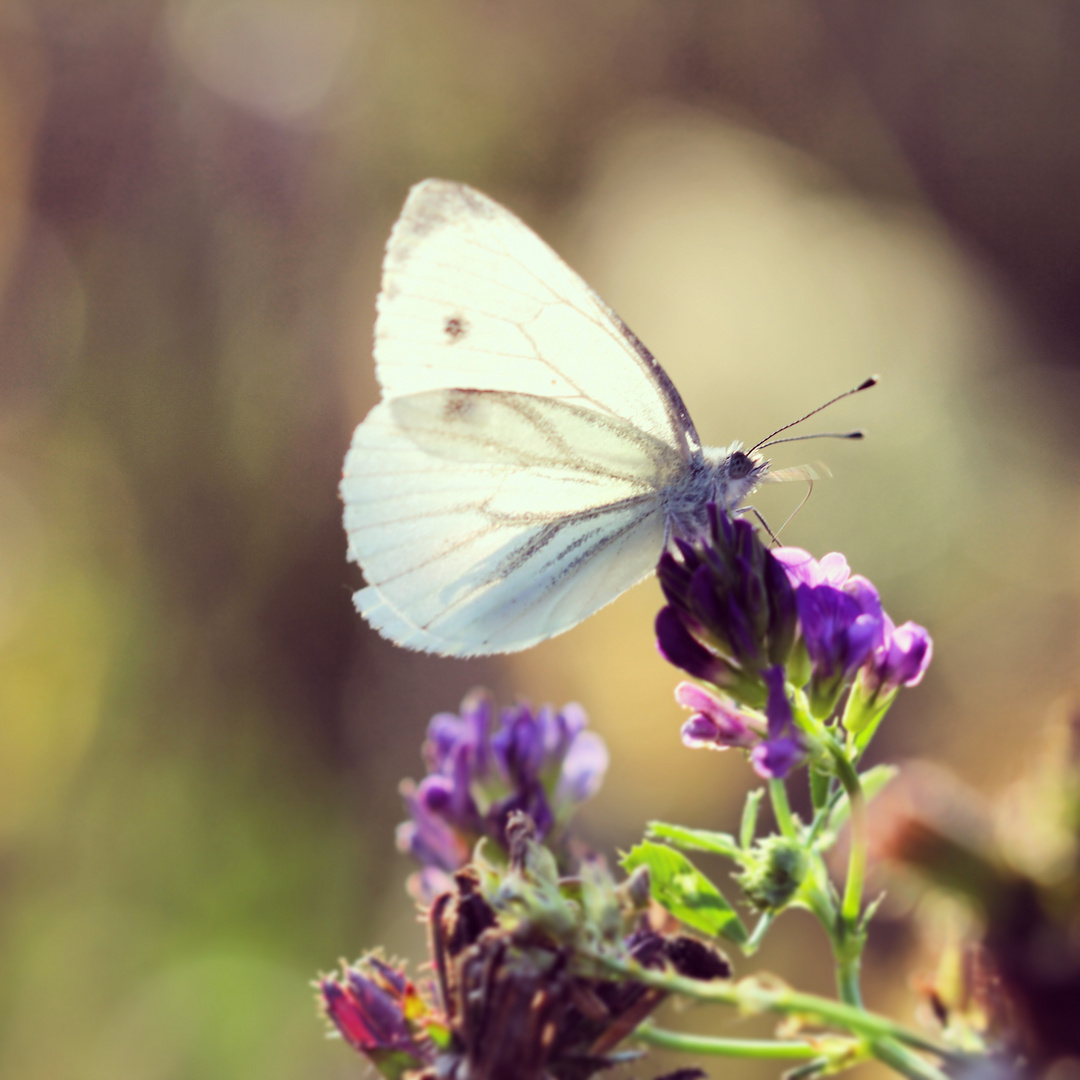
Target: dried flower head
[{"x": 518, "y": 989}]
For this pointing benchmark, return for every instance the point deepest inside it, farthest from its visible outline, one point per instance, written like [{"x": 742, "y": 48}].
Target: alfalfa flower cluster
[{"x": 547, "y": 964}]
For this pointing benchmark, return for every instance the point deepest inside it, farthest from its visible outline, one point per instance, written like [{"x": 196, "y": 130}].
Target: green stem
[
  {"x": 847, "y": 938},
  {"x": 818, "y": 897},
  {"x": 758, "y": 933},
  {"x": 706, "y": 1044},
  {"x": 822, "y": 817},
  {"x": 751, "y": 997},
  {"x": 848, "y": 963},
  {"x": 852, "y": 904},
  {"x": 782, "y": 809}
]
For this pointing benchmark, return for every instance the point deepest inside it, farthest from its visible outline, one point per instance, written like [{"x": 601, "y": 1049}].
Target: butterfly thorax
[{"x": 725, "y": 475}]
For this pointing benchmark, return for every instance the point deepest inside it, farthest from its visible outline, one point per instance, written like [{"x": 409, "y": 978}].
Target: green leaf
[
  {"x": 819, "y": 788},
  {"x": 439, "y": 1034},
  {"x": 870, "y": 912},
  {"x": 717, "y": 843},
  {"x": 872, "y": 781},
  {"x": 679, "y": 887},
  {"x": 748, "y": 826}
]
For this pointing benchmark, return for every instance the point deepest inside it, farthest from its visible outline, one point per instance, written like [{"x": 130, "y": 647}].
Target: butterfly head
[
  {"x": 735, "y": 473},
  {"x": 726, "y": 475}
]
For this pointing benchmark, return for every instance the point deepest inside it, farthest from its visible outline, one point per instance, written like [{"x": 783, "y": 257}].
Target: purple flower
[
  {"x": 582, "y": 772},
  {"x": 449, "y": 734},
  {"x": 775, "y": 746},
  {"x": 849, "y": 638},
  {"x": 679, "y": 647},
  {"x": 715, "y": 725},
  {"x": 774, "y": 759},
  {"x": 374, "y": 1007},
  {"x": 803, "y": 569},
  {"x": 730, "y": 608},
  {"x": 428, "y": 835},
  {"x": 782, "y": 750},
  {"x": 840, "y": 629},
  {"x": 750, "y": 622},
  {"x": 484, "y": 767},
  {"x": 900, "y": 660},
  {"x": 840, "y": 619}
]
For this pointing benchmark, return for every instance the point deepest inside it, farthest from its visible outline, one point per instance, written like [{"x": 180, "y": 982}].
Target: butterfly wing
[
  {"x": 486, "y": 522},
  {"x": 472, "y": 298},
  {"x": 512, "y": 481}
]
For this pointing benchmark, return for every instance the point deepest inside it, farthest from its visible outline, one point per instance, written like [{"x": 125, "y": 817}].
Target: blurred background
[{"x": 200, "y": 742}]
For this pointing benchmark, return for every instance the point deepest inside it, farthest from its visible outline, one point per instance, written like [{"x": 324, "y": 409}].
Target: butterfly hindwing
[{"x": 476, "y": 541}]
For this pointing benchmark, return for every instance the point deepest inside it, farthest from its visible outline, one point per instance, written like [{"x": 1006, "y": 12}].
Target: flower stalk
[
  {"x": 754, "y": 996},
  {"x": 785, "y": 820},
  {"x": 782, "y": 1049}
]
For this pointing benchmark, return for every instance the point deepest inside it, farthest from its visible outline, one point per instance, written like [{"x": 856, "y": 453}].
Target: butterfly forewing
[{"x": 473, "y": 299}]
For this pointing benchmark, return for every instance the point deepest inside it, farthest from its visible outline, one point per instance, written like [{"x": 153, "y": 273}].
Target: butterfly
[{"x": 529, "y": 459}]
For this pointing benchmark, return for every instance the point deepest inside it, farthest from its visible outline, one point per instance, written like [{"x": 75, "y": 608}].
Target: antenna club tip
[
  {"x": 867, "y": 383},
  {"x": 855, "y": 435}
]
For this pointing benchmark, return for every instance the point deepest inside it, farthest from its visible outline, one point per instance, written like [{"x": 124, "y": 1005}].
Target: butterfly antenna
[
  {"x": 768, "y": 440},
  {"x": 857, "y": 434}
]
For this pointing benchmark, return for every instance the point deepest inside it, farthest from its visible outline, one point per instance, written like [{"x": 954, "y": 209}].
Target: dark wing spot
[
  {"x": 455, "y": 327},
  {"x": 457, "y": 404}
]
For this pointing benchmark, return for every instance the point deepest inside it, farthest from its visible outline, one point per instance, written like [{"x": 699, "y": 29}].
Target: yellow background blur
[{"x": 199, "y": 741}]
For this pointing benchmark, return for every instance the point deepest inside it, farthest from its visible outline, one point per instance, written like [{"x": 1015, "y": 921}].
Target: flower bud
[
  {"x": 730, "y": 608},
  {"x": 900, "y": 660},
  {"x": 376, "y": 1008},
  {"x": 773, "y": 875}
]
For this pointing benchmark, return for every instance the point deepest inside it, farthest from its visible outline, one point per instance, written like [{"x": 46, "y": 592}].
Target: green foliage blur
[{"x": 199, "y": 741}]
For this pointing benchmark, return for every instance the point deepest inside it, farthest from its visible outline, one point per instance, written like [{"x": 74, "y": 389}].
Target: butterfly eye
[{"x": 739, "y": 466}]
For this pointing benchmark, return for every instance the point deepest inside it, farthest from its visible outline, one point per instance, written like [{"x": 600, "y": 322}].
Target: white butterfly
[{"x": 529, "y": 459}]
